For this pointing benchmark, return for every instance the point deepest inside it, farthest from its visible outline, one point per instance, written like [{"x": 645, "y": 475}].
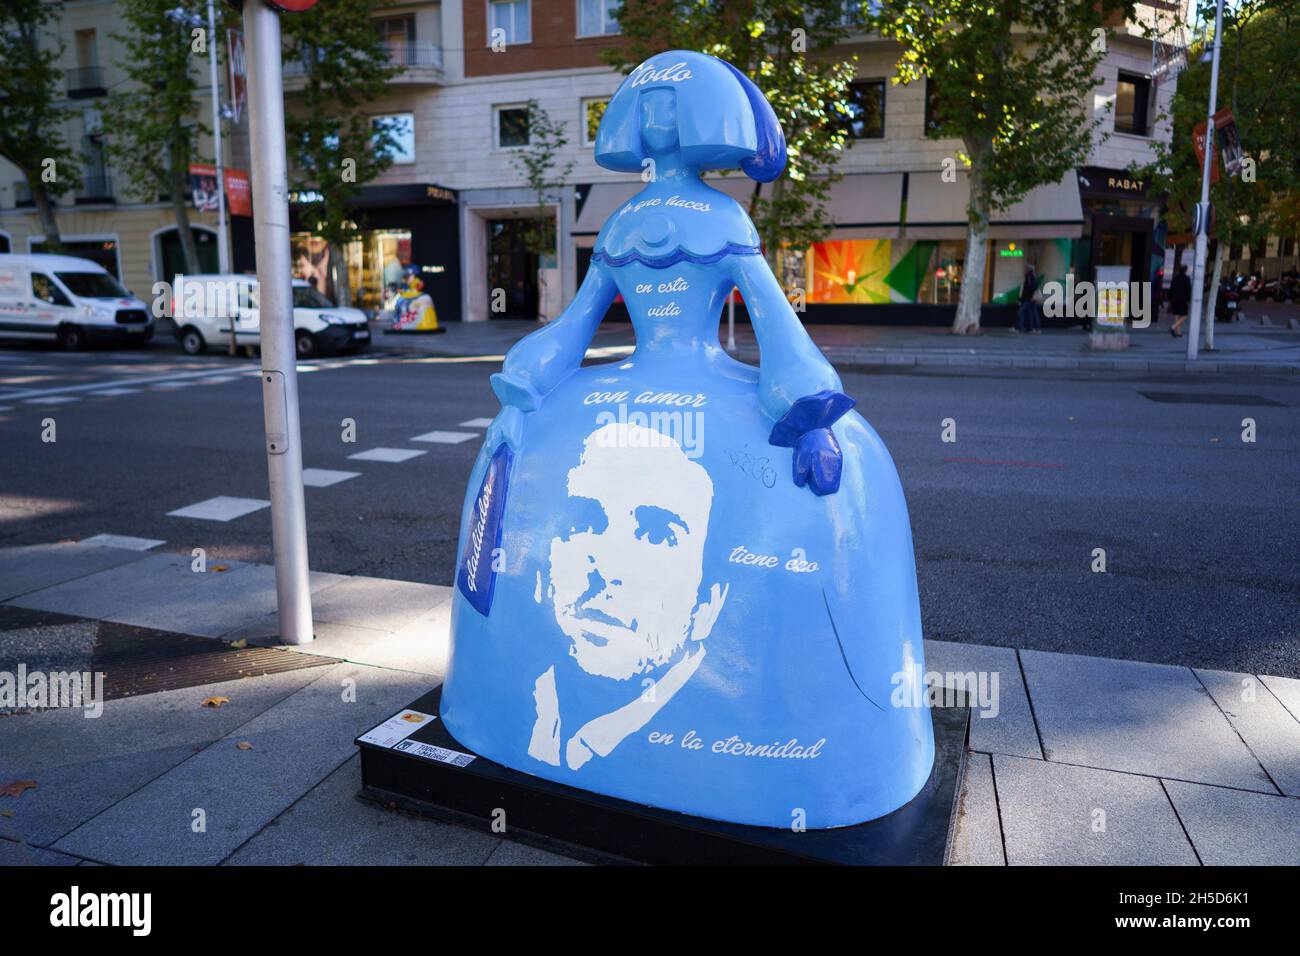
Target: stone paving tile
[
  {"x": 421, "y": 646},
  {"x": 378, "y": 603},
  {"x": 1153, "y": 719},
  {"x": 23, "y": 854},
  {"x": 977, "y": 835},
  {"x": 1267, "y": 727},
  {"x": 295, "y": 745},
  {"x": 1236, "y": 827},
  {"x": 1286, "y": 690},
  {"x": 510, "y": 853},
  {"x": 83, "y": 766},
  {"x": 32, "y": 567},
  {"x": 163, "y": 591},
  {"x": 367, "y": 835},
  {"x": 1010, "y": 729},
  {"x": 1052, "y": 814}
]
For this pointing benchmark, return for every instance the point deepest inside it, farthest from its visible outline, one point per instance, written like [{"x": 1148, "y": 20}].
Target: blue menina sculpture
[{"x": 684, "y": 581}]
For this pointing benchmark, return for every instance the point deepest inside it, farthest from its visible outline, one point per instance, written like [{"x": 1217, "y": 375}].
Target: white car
[
  {"x": 204, "y": 306},
  {"x": 69, "y": 300}
]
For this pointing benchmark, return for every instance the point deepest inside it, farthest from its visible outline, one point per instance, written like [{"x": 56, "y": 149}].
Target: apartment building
[{"x": 455, "y": 203}]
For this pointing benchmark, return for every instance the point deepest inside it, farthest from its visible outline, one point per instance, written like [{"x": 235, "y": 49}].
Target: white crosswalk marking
[
  {"x": 220, "y": 508},
  {"x": 324, "y": 477},
  {"x": 52, "y": 400},
  {"x": 476, "y": 423},
  {"x": 387, "y": 454},
  {"x": 124, "y": 541},
  {"x": 445, "y": 438}
]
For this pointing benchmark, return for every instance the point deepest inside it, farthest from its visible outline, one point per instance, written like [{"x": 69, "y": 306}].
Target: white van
[
  {"x": 203, "y": 307},
  {"x": 69, "y": 300}
]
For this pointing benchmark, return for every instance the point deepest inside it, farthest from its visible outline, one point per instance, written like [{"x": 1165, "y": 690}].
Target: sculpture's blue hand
[
  {"x": 818, "y": 461},
  {"x": 806, "y": 427},
  {"x": 507, "y": 428}
]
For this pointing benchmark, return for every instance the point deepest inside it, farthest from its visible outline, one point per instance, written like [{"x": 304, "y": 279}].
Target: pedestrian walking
[
  {"x": 1028, "y": 318},
  {"x": 1180, "y": 297}
]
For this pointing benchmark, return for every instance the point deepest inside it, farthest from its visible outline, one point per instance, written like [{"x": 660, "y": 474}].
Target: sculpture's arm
[
  {"x": 797, "y": 388},
  {"x": 538, "y": 363}
]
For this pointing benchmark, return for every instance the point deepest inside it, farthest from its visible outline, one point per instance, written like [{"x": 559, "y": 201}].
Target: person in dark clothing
[
  {"x": 1028, "y": 315},
  {"x": 1180, "y": 297}
]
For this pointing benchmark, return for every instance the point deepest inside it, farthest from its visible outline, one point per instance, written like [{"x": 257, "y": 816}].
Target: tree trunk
[
  {"x": 342, "y": 281},
  {"x": 1212, "y": 297},
  {"x": 45, "y": 209},
  {"x": 179, "y": 193},
  {"x": 967, "y": 320}
]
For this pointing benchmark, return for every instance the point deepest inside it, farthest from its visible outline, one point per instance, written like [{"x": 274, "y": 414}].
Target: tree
[
  {"x": 154, "y": 119},
  {"x": 334, "y": 145},
  {"x": 786, "y": 48},
  {"x": 539, "y": 163},
  {"x": 1011, "y": 81},
  {"x": 31, "y": 127},
  {"x": 1259, "y": 80}
]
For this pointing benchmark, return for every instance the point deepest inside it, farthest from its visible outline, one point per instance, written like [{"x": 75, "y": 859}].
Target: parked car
[
  {"x": 205, "y": 306},
  {"x": 68, "y": 300}
]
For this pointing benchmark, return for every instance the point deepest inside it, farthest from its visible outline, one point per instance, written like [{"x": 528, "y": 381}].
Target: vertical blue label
[{"x": 477, "y": 576}]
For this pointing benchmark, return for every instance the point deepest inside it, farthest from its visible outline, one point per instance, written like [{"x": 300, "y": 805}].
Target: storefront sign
[{"x": 1099, "y": 181}]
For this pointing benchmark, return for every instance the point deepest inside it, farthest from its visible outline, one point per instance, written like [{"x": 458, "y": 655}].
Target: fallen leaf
[
  {"x": 16, "y": 788},
  {"x": 215, "y": 701},
  {"x": 220, "y": 567},
  {"x": 6, "y": 813},
  {"x": 240, "y": 644},
  {"x": 244, "y": 745}
]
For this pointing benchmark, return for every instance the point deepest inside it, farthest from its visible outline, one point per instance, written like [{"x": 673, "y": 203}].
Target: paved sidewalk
[
  {"x": 1244, "y": 347},
  {"x": 1079, "y": 759}
]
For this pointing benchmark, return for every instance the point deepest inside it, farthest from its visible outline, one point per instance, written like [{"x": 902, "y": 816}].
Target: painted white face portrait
[{"x": 625, "y": 579}]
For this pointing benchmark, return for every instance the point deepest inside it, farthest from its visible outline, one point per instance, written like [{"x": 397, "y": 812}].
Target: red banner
[{"x": 239, "y": 192}]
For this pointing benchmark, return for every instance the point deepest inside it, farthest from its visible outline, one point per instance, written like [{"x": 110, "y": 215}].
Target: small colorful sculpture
[
  {"x": 412, "y": 308},
  {"x": 684, "y": 581}
]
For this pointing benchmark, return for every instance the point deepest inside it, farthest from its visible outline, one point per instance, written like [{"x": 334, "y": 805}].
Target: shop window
[
  {"x": 512, "y": 127},
  {"x": 592, "y": 113},
  {"x": 598, "y": 17},
  {"x": 513, "y": 18},
  {"x": 865, "y": 100},
  {"x": 1132, "y": 94},
  {"x": 401, "y": 132}
]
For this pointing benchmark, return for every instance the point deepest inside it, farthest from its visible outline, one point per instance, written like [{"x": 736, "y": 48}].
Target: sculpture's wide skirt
[{"x": 675, "y": 623}]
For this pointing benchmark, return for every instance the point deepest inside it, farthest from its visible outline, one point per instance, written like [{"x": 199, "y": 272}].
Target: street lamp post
[
  {"x": 1207, "y": 165},
  {"x": 275, "y": 312}
]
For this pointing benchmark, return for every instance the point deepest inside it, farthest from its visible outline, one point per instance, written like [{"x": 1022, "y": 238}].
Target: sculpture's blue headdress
[{"x": 723, "y": 121}]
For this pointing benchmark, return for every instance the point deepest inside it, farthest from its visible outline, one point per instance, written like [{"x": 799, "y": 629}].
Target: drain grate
[
  {"x": 1210, "y": 398},
  {"x": 137, "y": 660}
]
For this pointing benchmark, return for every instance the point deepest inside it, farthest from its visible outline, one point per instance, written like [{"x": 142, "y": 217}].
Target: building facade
[{"x": 455, "y": 203}]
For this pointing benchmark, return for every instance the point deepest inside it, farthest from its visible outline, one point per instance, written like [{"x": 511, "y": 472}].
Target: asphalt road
[{"x": 1199, "y": 528}]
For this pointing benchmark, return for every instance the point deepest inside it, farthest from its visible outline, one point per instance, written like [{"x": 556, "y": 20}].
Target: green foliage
[
  {"x": 154, "y": 120},
  {"x": 1016, "y": 98},
  {"x": 787, "y": 48},
  {"x": 334, "y": 148},
  {"x": 31, "y": 127},
  {"x": 1259, "y": 79},
  {"x": 538, "y": 163}
]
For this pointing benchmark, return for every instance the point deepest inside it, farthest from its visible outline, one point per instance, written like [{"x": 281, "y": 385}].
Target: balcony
[
  {"x": 86, "y": 82},
  {"x": 421, "y": 65},
  {"x": 96, "y": 187}
]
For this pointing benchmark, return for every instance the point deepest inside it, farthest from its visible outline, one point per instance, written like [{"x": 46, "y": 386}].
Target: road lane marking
[
  {"x": 387, "y": 454},
  {"x": 324, "y": 477},
  {"x": 220, "y": 508},
  {"x": 113, "y": 392},
  {"x": 476, "y": 423},
  {"x": 445, "y": 438},
  {"x": 50, "y": 399}
]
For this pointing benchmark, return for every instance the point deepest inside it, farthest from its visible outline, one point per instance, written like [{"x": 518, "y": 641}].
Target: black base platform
[{"x": 430, "y": 772}]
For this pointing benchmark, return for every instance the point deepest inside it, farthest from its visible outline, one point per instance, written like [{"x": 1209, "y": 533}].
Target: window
[
  {"x": 512, "y": 127},
  {"x": 396, "y": 29},
  {"x": 45, "y": 290},
  {"x": 592, "y": 112},
  {"x": 932, "y": 118},
  {"x": 866, "y": 104},
  {"x": 87, "y": 49},
  {"x": 597, "y": 17},
  {"x": 1131, "y": 96},
  {"x": 513, "y": 18},
  {"x": 92, "y": 285},
  {"x": 401, "y": 132}
]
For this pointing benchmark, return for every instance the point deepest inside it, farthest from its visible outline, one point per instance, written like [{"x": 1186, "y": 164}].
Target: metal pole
[
  {"x": 223, "y": 251},
  {"x": 279, "y": 354},
  {"x": 1198, "y": 270}
]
